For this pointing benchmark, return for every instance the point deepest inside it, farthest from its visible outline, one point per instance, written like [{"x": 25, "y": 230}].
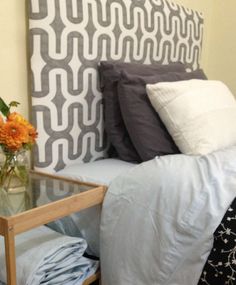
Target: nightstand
[{"x": 47, "y": 198}]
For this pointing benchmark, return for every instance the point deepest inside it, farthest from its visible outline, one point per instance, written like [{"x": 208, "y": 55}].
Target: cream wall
[
  {"x": 218, "y": 57},
  {"x": 13, "y": 66},
  {"x": 219, "y": 45},
  {"x": 222, "y": 49}
]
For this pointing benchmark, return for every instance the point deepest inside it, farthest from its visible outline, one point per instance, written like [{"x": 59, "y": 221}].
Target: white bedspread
[
  {"x": 46, "y": 257},
  {"x": 158, "y": 219}
]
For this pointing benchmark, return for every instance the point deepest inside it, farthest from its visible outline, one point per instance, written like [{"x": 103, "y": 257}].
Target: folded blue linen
[{"x": 44, "y": 256}]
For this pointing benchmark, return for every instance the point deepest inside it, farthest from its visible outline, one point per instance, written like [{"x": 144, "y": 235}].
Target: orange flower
[
  {"x": 16, "y": 117},
  {"x": 13, "y": 135},
  {"x": 32, "y": 134},
  {"x": 16, "y": 132},
  {"x": 1, "y": 121}
]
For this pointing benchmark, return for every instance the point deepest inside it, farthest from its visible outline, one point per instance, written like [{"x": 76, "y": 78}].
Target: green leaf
[{"x": 4, "y": 109}]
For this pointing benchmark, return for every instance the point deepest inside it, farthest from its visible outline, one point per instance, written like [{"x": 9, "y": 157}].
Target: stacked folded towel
[{"x": 44, "y": 256}]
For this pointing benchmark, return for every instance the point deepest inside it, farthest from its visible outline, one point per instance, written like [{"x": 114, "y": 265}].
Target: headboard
[{"x": 68, "y": 38}]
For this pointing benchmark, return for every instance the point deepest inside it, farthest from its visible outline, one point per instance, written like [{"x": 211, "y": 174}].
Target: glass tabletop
[{"x": 41, "y": 190}]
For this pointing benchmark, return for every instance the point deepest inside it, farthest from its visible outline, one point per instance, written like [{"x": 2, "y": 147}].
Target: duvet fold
[
  {"x": 158, "y": 219},
  {"x": 44, "y": 256}
]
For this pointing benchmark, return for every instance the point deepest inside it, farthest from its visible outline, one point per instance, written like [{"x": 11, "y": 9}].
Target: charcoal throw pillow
[
  {"x": 146, "y": 130},
  {"x": 114, "y": 125}
]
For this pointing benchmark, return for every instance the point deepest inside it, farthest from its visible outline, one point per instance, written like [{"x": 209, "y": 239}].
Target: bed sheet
[
  {"x": 86, "y": 223},
  {"x": 101, "y": 171}
]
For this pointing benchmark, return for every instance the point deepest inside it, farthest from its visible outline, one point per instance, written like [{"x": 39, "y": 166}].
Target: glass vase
[{"x": 14, "y": 171}]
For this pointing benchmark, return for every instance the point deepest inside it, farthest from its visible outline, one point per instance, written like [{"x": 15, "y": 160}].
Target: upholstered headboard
[{"x": 68, "y": 38}]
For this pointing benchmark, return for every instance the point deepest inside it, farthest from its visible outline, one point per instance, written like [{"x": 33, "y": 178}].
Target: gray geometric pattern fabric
[{"x": 68, "y": 38}]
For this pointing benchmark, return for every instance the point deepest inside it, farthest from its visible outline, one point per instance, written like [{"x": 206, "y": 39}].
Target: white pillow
[{"x": 200, "y": 115}]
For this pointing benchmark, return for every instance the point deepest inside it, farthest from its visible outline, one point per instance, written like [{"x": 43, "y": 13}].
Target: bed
[{"x": 97, "y": 68}]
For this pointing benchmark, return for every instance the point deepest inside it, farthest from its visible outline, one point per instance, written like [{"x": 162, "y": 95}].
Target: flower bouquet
[{"x": 17, "y": 136}]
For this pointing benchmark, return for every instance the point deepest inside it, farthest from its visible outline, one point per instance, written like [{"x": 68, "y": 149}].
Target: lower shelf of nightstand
[{"x": 93, "y": 278}]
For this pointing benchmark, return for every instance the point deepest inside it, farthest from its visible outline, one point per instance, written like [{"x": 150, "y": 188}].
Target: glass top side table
[{"x": 47, "y": 198}]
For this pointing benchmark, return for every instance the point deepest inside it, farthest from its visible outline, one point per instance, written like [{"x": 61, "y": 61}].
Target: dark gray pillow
[
  {"x": 114, "y": 125},
  {"x": 146, "y": 130}
]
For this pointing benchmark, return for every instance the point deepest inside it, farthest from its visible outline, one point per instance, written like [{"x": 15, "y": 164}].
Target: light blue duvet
[{"x": 158, "y": 219}]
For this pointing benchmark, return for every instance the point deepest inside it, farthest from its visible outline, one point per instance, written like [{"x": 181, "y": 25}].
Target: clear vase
[{"x": 14, "y": 171}]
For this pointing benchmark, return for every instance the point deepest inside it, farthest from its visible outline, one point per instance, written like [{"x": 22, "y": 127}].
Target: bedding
[
  {"x": 114, "y": 125},
  {"x": 159, "y": 218},
  {"x": 220, "y": 267},
  {"x": 69, "y": 39},
  {"x": 100, "y": 172},
  {"x": 86, "y": 223},
  {"x": 46, "y": 257},
  {"x": 197, "y": 113},
  {"x": 145, "y": 128}
]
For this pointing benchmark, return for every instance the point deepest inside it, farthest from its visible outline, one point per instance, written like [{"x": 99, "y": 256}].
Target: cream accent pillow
[{"x": 200, "y": 115}]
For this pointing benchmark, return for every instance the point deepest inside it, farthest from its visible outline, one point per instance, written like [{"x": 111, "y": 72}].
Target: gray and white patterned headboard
[{"x": 67, "y": 40}]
